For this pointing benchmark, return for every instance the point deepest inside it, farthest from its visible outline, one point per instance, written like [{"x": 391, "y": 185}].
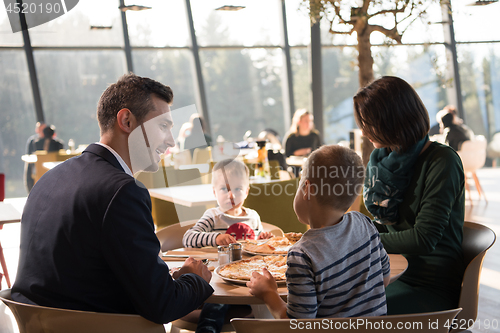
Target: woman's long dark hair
[{"x": 390, "y": 112}]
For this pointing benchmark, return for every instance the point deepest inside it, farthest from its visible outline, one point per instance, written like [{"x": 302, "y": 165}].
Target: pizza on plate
[
  {"x": 275, "y": 245},
  {"x": 243, "y": 269}
]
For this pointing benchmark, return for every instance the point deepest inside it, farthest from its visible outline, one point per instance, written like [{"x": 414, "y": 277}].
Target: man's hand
[
  {"x": 192, "y": 265},
  {"x": 262, "y": 285},
  {"x": 225, "y": 239},
  {"x": 265, "y": 235}
]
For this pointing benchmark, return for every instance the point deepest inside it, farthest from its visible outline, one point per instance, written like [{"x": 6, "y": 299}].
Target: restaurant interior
[{"x": 239, "y": 71}]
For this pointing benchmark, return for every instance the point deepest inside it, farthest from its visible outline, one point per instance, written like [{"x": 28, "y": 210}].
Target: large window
[
  {"x": 17, "y": 119},
  {"x": 165, "y": 24},
  {"x": 78, "y": 54},
  {"x": 480, "y": 78},
  {"x": 74, "y": 28},
  {"x": 71, "y": 83},
  {"x": 257, "y": 24},
  {"x": 243, "y": 91}
]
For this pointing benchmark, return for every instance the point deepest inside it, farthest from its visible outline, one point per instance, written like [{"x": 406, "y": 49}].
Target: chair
[
  {"x": 275, "y": 230},
  {"x": 417, "y": 323},
  {"x": 170, "y": 237},
  {"x": 4, "y": 265},
  {"x": 202, "y": 155},
  {"x": 477, "y": 240},
  {"x": 167, "y": 213},
  {"x": 473, "y": 155},
  {"x": 41, "y": 319},
  {"x": 274, "y": 203}
]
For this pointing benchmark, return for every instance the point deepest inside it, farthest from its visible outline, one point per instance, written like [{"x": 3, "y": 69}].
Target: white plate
[{"x": 240, "y": 282}]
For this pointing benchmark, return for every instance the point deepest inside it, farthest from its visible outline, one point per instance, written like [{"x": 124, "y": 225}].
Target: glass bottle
[{"x": 262, "y": 167}]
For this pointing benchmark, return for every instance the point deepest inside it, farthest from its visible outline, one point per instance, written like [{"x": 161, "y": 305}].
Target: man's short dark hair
[
  {"x": 130, "y": 92},
  {"x": 48, "y": 132}
]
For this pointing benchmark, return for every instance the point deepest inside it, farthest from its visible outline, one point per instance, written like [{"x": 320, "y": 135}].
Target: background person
[
  {"x": 414, "y": 188},
  {"x": 339, "y": 268},
  {"x": 48, "y": 141},
  {"x": 454, "y": 134},
  {"x": 87, "y": 235},
  {"x": 302, "y": 138},
  {"x": 29, "y": 168}
]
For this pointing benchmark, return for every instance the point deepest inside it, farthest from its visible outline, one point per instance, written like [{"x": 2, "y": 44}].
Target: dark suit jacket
[{"x": 88, "y": 243}]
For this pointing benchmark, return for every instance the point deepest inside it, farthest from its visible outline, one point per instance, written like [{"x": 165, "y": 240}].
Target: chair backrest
[
  {"x": 182, "y": 158},
  {"x": 477, "y": 240},
  {"x": 170, "y": 237},
  {"x": 274, "y": 203},
  {"x": 155, "y": 179},
  {"x": 167, "y": 213},
  {"x": 201, "y": 155},
  {"x": 275, "y": 230},
  {"x": 41, "y": 319},
  {"x": 417, "y": 323},
  {"x": 473, "y": 153}
]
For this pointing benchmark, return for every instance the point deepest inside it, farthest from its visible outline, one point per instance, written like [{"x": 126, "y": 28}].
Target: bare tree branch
[
  {"x": 336, "y": 7},
  {"x": 391, "y": 33},
  {"x": 340, "y": 32}
]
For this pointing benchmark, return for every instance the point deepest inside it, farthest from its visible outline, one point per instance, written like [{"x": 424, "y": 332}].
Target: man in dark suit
[{"x": 87, "y": 235}]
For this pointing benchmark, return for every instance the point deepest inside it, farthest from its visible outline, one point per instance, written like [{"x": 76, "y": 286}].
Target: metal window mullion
[
  {"x": 200, "y": 91},
  {"x": 287, "y": 77},
  {"x": 316, "y": 78},
  {"x": 126, "y": 40},
  {"x": 28, "y": 50}
]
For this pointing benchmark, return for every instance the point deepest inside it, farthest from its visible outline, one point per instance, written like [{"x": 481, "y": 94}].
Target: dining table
[
  {"x": 238, "y": 293},
  {"x": 194, "y": 195}
]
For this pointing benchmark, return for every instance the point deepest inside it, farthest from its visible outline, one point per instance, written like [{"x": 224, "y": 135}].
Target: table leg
[{"x": 4, "y": 266}]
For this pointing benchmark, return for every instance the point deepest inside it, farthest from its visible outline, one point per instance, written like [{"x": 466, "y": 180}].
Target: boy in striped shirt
[{"x": 339, "y": 268}]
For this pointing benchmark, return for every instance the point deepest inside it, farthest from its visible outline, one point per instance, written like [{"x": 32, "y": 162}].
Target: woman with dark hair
[{"x": 414, "y": 189}]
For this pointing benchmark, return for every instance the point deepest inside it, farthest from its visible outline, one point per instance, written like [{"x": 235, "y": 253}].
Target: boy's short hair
[
  {"x": 231, "y": 168},
  {"x": 336, "y": 174}
]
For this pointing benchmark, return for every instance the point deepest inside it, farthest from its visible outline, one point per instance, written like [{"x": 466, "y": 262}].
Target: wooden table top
[{"x": 229, "y": 293}]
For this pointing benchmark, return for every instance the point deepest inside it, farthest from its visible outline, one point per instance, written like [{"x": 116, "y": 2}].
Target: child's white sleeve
[{"x": 201, "y": 234}]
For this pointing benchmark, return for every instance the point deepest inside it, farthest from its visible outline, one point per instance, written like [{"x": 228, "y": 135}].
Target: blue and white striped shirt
[{"x": 338, "y": 271}]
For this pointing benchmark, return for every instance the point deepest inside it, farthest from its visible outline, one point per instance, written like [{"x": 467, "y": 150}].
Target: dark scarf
[{"x": 388, "y": 174}]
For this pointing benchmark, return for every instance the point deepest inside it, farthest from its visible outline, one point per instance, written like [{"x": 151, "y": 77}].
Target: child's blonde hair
[
  {"x": 336, "y": 175},
  {"x": 230, "y": 168}
]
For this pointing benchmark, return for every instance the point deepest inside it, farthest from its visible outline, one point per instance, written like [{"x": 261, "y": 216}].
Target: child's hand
[
  {"x": 262, "y": 284},
  {"x": 224, "y": 239},
  {"x": 265, "y": 235}
]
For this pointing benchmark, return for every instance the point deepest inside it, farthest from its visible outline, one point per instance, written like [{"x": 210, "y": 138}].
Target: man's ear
[{"x": 126, "y": 120}]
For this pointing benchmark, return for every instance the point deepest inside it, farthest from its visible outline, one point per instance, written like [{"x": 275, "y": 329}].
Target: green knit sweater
[{"x": 430, "y": 234}]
